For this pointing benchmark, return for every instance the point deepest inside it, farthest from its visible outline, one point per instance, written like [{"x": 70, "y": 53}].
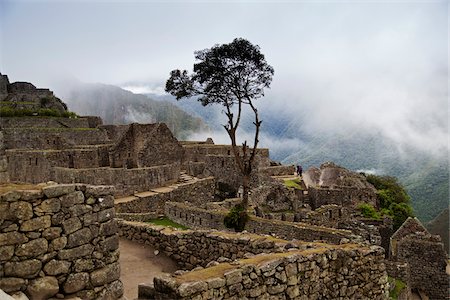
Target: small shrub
[
  {"x": 236, "y": 218},
  {"x": 398, "y": 288},
  {"x": 368, "y": 211}
]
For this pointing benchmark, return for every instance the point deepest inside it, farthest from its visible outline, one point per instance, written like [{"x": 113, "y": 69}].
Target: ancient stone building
[
  {"x": 425, "y": 257},
  {"x": 146, "y": 145},
  {"x": 332, "y": 184}
]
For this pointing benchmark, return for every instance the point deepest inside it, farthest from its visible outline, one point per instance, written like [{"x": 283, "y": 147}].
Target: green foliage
[
  {"x": 394, "y": 200},
  {"x": 225, "y": 74},
  {"x": 368, "y": 211},
  {"x": 42, "y": 112},
  {"x": 396, "y": 291},
  {"x": 293, "y": 183},
  {"x": 236, "y": 218},
  {"x": 167, "y": 222}
]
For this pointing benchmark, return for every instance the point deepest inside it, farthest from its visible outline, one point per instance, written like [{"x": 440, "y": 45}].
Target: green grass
[
  {"x": 43, "y": 112},
  {"x": 167, "y": 222},
  {"x": 399, "y": 286},
  {"x": 293, "y": 183}
]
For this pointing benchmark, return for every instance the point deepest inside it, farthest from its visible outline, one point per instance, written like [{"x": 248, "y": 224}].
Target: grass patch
[
  {"x": 42, "y": 112},
  {"x": 293, "y": 183},
  {"x": 204, "y": 274},
  {"x": 167, "y": 222},
  {"x": 396, "y": 291}
]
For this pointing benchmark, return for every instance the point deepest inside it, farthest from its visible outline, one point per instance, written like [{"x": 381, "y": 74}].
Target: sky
[{"x": 372, "y": 65}]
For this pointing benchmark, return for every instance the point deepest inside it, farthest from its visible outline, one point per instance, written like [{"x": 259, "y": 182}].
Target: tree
[{"x": 231, "y": 75}]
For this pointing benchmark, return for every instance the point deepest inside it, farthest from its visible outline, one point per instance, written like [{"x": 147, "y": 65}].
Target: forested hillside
[{"x": 117, "y": 106}]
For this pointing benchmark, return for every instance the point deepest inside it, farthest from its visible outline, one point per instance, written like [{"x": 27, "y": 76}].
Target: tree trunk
[{"x": 245, "y": 189}]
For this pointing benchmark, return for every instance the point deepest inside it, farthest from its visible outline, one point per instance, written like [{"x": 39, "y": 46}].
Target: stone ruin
[
  {"x": 315, "y": 227},
  {"x": 24, "y": 95}
]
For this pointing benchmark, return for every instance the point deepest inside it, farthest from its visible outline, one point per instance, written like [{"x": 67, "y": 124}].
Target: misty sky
[{"x": 375, "y": 65}]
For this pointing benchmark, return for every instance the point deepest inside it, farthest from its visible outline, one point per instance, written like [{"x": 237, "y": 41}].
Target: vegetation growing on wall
[{"x": 42, "y": 112}]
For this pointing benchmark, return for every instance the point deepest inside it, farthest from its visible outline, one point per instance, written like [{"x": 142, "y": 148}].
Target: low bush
[{"x": 236, "y": 218}]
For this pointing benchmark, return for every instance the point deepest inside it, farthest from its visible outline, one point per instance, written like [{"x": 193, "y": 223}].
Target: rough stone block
[
  {"x": 76, "y": 282},
  {"x": 215, "y": 283},
  {"x": 84, "y": 265},
  {"x": 80, "y": 209},
  {"x": 28, "y": 195},
  {"x": 6, "y": 252},
  {"x": 58, "y": 244},
  {"x": 10, "y": 196},
  {"x": 36, "y": 223},
  {"x": 51, "y": 233},
  {"x": 80, "y": 237},
  {"x": 4, "y": 211},
  {"x": 52, "y": 205},
  {"x": 108, "y": 228},
  {"x": 12, "y": 284},
  {"x": 190, "y": 288},
  {"x": 21, "y": 210},
  {"x": 57, "y": 267},
  {"x": 77, "y": 252},
  {"x": 58, "y": 190},
  {"x": 106, "y": 275},
  {"x": 33, "y": 248},
  {"x": 233, "y": 276},
  {"x": 72, "y": 199},
  {"x": 43, "y": 288},
  {"x": 71, "y": 225},
  {"x": 24, "y": 269},
  {"x": 110, "y": 243},
  {"x": 12, "y": 238},
  {"x": 106, "y": 215}
]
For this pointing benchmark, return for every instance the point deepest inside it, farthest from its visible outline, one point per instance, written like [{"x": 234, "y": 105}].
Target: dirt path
[{"x": 139, "y": 264}]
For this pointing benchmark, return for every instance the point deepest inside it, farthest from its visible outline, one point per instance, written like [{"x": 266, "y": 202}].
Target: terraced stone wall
[
  {"x": 50, "y": 122},
  {"x": 204, "y": 219},
  {"x": 60, "y": 241},
  {"x": 198, "y": 193},
  {"x": 342, "y": 272},
  {"x": 191, "y": 248},
  {"x": 125, "y": 181}
]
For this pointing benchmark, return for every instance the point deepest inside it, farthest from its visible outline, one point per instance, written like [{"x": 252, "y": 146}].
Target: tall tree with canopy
[{"x": 231, "y": 75}]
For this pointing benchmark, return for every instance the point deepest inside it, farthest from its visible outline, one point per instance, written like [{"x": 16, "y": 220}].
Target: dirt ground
[{"x": 139, "y": 264}]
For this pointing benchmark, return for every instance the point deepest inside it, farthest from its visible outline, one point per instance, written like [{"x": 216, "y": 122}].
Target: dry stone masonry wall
[
  {"x": 205, "y": 219},
  {"x": 343, "y": 272},
  {"x": 60, "y": 240}
]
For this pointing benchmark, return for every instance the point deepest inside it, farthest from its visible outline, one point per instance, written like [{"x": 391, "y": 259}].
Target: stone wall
[
  {"x": 197, "y": 193},
  {"x": 52, "y": 138},
  {"x": 201, "y": 218},
  {"x": 146, "y": 145},
  {"x": 427, "y": 262},
  {"x": 198, "y": 248},
  {"x": 49, "y": 122},
  {"x": 279, "y": 170},
  {"x": 125, "y": 181},
  {"x": 60, "y": 240},
  {"x": 342, "y": 196},
  {"x": 346, "y": 272}
]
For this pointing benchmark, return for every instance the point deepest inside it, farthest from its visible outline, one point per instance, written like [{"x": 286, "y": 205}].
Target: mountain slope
[
  {"x": 424, "y": 176},
  {"x": 117, "y": 106}
]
